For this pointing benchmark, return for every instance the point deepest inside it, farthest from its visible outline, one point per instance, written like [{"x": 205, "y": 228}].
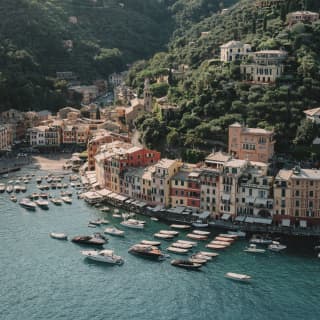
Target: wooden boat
[
  {"x": 181, "y": 245},
  {"x": 59, "y": 236},
  {"x": 222, "y": 243},
  {"x": 96, "y": 239},
  {"x": 151, "y": 243},
  {"x": 186, "y": 264},
  {"x": 224, "y": 239},
  {"x": 170, "y": 232},
  {"x": 163, "y": 236},
  {"x": 180, "y": 226},
  {"x": 215, "y": 246},
  {"x": 196, "y": 236},
  {"x": 237, "y": 277},
  {"x": 208, "y": 253},
  {"x": 193, "y": 243},
  {"x": 147, "y": 251},
  {"x": 201, "y": 233},
  {"x": 177, "y": 250}
]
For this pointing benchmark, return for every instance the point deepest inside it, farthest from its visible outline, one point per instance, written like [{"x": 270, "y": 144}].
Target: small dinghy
[
  {"x": 237, "y": 277},
  {"x": 177, "y": 250},
  {"x": 151, "y": 243},
  {"x": 59, "y": 236}
]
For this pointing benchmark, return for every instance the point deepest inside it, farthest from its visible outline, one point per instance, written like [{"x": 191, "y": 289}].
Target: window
[
  {"x": 297, "y": 193},
  {"x": 283, "y": 192},
  {"x": 311, "y": 194},
  {"x": 297, "y": 203}
]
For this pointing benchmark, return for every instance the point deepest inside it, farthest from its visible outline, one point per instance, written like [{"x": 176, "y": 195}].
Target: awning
[
  {"x": 303, "y": 223},
  {"x": 226, "y": 216},
  {"x": 204, "y": 215},
  {"x": 258, "y": 220},
  {"x": 286, "y": 222},
  {"x": 104, "y": 192},
  {"x": 240, "y": 218}
]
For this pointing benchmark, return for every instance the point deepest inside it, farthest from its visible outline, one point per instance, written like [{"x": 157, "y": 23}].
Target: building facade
[
  {"x": 234, "y": 51},
  {"x": 302, "y": 17}
]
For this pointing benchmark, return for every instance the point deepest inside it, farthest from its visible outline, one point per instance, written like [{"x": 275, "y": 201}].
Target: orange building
[{"x": 253, "y": 144}]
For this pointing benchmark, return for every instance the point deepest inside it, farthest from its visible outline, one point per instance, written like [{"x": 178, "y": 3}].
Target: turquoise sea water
[{"x": 43, "y": 278}]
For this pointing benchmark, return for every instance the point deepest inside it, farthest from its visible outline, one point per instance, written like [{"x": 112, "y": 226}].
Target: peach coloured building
[{"x": 253, "y": 144}]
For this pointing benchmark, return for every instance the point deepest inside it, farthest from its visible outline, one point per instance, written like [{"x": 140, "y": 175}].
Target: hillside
[
  {"x": 212, "y": 95},
  {"x": 105, "y": 35}
]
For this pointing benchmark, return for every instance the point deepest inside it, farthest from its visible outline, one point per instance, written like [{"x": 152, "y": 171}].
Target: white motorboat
[
  {"x": 180, "y": 226},
  {"x": 177, "y": 250},
  {"x": 116, "y": 211},
  {"x": 106, "y": 256},
  {"x": 56, "y": 201},
  {"x": 253, "y": 249},
  {"x": 201, "y": 256},
  {"x": 23, "y": 188},
  {"x": 2, "y": 187},
  {"x": 28, "y": 204},
  {"x": 115, "y": 215},
  {"x": 59, "y": 236},
  {"x": 137, "y": 221},
  {"x": 66, "y": 200},
  {"x": 237, "y": 277},
  {"x": 169, "y": 232},
  {"x": 222, "y": 243},
  {"x": 105, "y": 209},
  {"x": 181, "y": 245},
  {"x": 226, "y": 235},
  {"x": 9, "y": 188},
  {"x": 230, "y": 240},
  {"x": 198, "y": 260},
  {"x": 132, "y": 224},
  {"x": 276, "y": 246},
  {"x": 215, "y": 246},
  {"x": 13, "y": 198},
  {"x": 239, "y": 234},
  {"x": 154, "y": 219},
  {"x": 95, "y": 222},
  {"x": 202, "y": 233},
  {"x": 114, "y": 232},
  {"x": 200, "y": 224},
  {"x": 151, "y": 243},
  {"x": 193, "y": 243},
  {"x": 43, "y": 204}
]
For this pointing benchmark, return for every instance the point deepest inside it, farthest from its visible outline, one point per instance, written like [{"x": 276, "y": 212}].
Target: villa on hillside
[
  {"x": 264, "y": 66},
  {"x": 302, "y": 16},
  {"x": 234, "y": 50},
  {"x": 268, "y": 3}
]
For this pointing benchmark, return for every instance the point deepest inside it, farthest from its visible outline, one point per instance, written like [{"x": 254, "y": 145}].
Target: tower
[{"x": 147, "y": 96}]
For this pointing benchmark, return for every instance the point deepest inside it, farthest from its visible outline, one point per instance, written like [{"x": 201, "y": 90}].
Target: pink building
[{"x": 253, "y": 144}]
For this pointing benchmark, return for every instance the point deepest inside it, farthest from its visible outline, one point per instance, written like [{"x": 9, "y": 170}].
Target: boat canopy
[
  {"x": 204, "y": 215},
  {"x": 286, "y": 222},
  {"x": 226, "y": 216},
  {"x": 240, "y": 218},
  {"x": 303, "y": 223},
  {"x": 258, "y": 220}
]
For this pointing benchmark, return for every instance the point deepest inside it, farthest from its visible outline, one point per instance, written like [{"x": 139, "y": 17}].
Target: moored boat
[
  {"x": 66, "y": 200},
  {"x": 239, "y": 234},
  {"x": 17, "y": 188},
  {"x": 186, "y": 264},
  {"x": 23, "y": 188},
  {"x": 9, "y": 188},
  {"x": 147, "y": 251},
  {"x": 276, "y": 246},
  {"x": 200, "y": 224},
  {"x": 13, "y": 198},
  {"x": 260, "y": 240},
  {"x": 114, "y": 231},
  {"x": 230, "y": 240},
  {"x": 59, "y": 236},
  {"x": 196, "y": 236},
  {"x": 132, "y": 224},
  {"x": 193, "y": 243},
  {"x": 201, "y": 233},
  {"x": 201, "y": 256},
  {"x": 177, "y": 250},
  {"x": 56, "y": 201},
  {"x": 208, "y": 253},
  {"x": 237, "y": 277},
  {"x": 253, "y": 249},
  {"x": 27, "y": 204},
  {"x": 222, "y": 243},
  {"x": 163, "y": 236},
  {"x": 105, "y": 209},
  {"x": 195, "y": 259},
  {"x": 43, "y": 204},
  {"x": 151, "y": 243},
  {"x": 215, "y": 246},
  {"x": 115, "y": 215},
  {"x": 226, "y": 235},
  {"x": 106, "y": 256},
  {"x": 180, "y": 226},
  {"x": 90, "y": 240},
  {"x": 181, "y": 245},
  {"x": 2, "y": 187},
  {"x": 154, "y": 219},
  {"x": 169, "y": 232}
]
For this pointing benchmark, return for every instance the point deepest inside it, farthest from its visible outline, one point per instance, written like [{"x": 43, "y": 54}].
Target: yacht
[
  {"x": 106, "y": 256},
  {"x": 59, "y": 236},
  {"x": 147, "y": 251},
  {"x": 43, "y": 204},
  {"x": 276, "y": 246},
  {"x": 253, "y": 249},
  {"x": 114, "y": 231},
  {"x": 200, "y": 224},
  {"x": 28, "y": 204},
  {"x": 132, "y": 224},
  {"x": 186, "y": 264},
  {"x": 237, "y": 277}
]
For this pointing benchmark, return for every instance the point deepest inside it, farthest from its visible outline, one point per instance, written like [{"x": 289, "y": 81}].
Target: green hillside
[{"x": 211, "y": 96}]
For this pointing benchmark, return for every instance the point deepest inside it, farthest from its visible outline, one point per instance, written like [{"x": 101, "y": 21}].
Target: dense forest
[{"x": 211, "y": 95}]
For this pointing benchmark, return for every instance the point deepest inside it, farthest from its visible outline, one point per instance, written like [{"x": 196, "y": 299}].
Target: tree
[{"x": 306, "y": 133}]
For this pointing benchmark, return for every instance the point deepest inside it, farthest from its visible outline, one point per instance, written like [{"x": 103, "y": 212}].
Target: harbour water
[{"x": 43, "y": 278}]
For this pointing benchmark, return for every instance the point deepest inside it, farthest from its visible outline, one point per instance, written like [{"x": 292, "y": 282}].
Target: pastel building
[
  {"x": 297, "y": 197},
  {"x": 253, "y": 144},
  {"x": 5, "y": 137},
  {"x": 302, "y": 17},
  {"x": 313, "y": 115}
]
